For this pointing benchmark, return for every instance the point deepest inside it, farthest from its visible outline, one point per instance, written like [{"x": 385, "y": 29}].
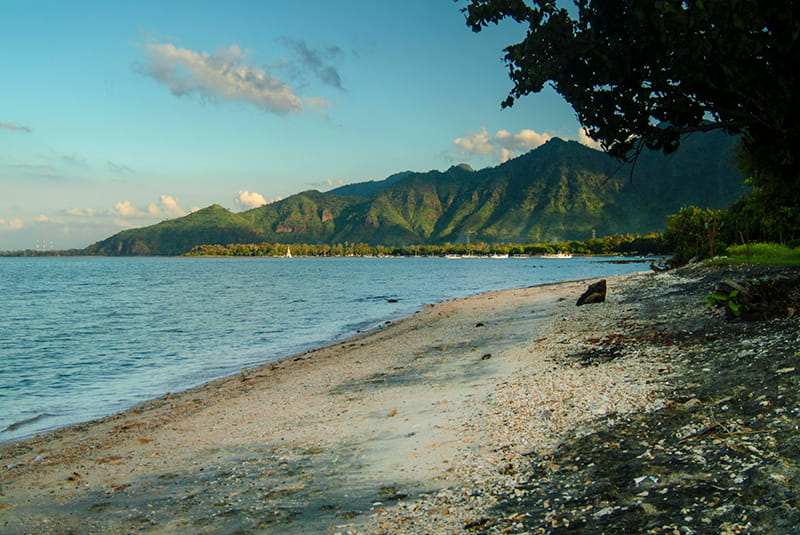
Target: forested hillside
[{"x": 560, "y": 191}]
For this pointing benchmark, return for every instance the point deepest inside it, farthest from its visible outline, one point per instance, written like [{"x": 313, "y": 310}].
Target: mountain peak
[
  {"x": 555, "y": 140},
  {"x": 463, "y": 167}
]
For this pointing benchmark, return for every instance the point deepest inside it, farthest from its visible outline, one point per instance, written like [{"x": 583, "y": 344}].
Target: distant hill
[{"x": 560, "y": 191}]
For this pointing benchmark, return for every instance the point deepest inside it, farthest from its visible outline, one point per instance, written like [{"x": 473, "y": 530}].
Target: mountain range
[{"x": 559, "y": 191}]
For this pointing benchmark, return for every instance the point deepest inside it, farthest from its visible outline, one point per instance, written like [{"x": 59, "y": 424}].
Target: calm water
[{"x": 82, "y": 338}]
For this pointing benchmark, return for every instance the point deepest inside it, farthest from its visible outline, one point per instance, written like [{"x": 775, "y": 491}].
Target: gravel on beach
[{"x": 714, "y": 447}]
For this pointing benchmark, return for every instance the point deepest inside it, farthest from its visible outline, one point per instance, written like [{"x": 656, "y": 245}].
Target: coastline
[
  {"x": 236, "y": 314},
  {"x": 427, "y": 425}
]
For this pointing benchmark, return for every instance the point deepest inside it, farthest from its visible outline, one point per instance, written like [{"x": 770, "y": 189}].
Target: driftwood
[{"x": 595, "y": 293}]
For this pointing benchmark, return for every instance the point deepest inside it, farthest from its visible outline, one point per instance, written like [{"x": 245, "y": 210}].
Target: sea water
[{"x": 82, "y": 338}]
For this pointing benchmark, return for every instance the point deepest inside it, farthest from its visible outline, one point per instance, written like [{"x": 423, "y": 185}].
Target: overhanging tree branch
[{"x": 621, "y": 63}]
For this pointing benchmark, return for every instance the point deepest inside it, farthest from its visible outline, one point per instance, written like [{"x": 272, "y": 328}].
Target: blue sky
[{"x": 121, "y": 114}]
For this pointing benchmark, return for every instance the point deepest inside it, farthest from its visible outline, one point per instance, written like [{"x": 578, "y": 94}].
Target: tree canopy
[{"x": 644, "y": 74}]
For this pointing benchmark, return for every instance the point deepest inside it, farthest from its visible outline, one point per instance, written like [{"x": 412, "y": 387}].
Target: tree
[
  {"x": 694, "y": 232},
  {"x": 771, "y": 210},
  {"x": 644, "y": 74}
]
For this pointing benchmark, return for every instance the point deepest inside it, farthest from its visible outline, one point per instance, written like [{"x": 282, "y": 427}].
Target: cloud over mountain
[
  {"x": 248, "y": 199},
  {"x": 168, "y": 207},
  {"x": 583, "y": 137},
  {"x": 475, "y": 143},
  {"x": 504, "y": 145}
]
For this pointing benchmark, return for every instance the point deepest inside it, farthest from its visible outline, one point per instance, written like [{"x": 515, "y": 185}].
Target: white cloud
[
  {"x": 247, "y": 200},
  {"x": 43, "y": 218},
  {"x": 125, "y": 209},
  {"x": 170, "y": 206},
  {"x": 524, "y": 141},
  {"x": 506, "y": 154},
  {"x": 16, "y": 224},
  {"x": 224, "y": 75},
  {"x": 583, "y": 137},
  {"x": 504, "y": 145},
  {"x": 475, "y": 143}
]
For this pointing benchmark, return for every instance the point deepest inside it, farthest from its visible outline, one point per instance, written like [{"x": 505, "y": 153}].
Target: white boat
[
  {"x": 288, "y": 253},
  {"x": 497, "y": 255},
  {"x": 557, "y": 255}
]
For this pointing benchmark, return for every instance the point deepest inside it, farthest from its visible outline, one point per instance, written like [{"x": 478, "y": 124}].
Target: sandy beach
[{"x": 436, "y": 423}]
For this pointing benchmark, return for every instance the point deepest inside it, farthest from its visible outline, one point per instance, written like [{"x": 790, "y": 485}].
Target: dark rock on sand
[{"x": 595, "y": 293}]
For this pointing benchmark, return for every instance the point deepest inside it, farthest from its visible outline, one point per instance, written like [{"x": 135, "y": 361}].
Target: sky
[{"x": 116, "y": 115}]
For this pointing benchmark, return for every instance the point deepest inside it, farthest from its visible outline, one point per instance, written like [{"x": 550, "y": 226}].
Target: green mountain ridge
[{"x": 560, "y": 191}]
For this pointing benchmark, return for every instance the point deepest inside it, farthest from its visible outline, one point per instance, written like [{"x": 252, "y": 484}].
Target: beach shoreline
[
  {"x": 130, "y": 342},
  {"x": 424, "y": 426},
  {"x": 352, "y": 332}
]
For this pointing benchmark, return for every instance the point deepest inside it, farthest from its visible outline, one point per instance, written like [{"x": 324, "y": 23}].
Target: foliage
[
  {"x": 632, "y": 245},
  {"x": 729, "y": 301},
  {"x": 770, "y": 211},
  {"x": 694, "y": 232},
  {"x": 643, "y": 74},
  {"x": 750, "y": 219}
]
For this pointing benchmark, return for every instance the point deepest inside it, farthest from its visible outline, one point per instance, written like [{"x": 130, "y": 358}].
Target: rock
[{"x": 595, "y": 293}]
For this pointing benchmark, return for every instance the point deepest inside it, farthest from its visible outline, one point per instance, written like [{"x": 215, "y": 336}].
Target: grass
[{"x": 770, "y": 254}]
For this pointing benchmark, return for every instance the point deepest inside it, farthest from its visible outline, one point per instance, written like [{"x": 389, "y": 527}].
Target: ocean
[{"x": 82, "y": 338}]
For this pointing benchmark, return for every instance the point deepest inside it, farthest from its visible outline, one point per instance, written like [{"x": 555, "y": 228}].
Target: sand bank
[{"x": 420, "y": 426}]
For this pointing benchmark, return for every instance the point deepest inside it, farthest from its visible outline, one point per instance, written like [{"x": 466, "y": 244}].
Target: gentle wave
[{"x": 22, "y": 423}]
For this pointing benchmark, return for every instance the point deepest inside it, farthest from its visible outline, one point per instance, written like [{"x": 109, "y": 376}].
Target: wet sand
[{"x": 335, "y": 439}]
